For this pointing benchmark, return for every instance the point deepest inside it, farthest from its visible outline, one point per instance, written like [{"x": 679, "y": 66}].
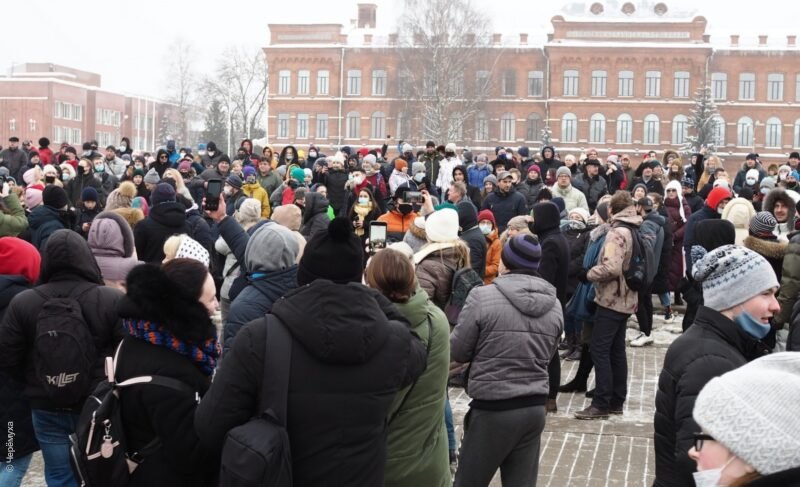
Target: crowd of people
[{"x": 493, "y": 269}]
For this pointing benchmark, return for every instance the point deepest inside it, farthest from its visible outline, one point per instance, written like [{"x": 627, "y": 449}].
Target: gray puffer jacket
[{"x": 509, "y": 331}]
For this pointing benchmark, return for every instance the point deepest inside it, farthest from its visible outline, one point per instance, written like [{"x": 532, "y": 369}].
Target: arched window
[
  {"x": 624, "y": 129},
  {"x": 680, "y": 126},
  {"x": 353, "y": 125},
  {"x": 569, "y": 128},
  {"x": 597, "y": 129},
  {"x": 744, "y": 132},
  {"x": 507, "y": 127},
  {"x": 378, "y": 126},
  {"x": 651, "y": 129},
  {"x": 773, "y": 132},
  {"x": 719, "y": 131},
  {"x": 534, "y": 128}
]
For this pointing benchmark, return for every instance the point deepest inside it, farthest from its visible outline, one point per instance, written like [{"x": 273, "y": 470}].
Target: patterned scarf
[{"x": 205, "y": 356}]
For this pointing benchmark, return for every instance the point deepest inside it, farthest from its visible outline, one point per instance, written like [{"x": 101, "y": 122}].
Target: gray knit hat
[
  {"x": 417, "y": 167},
  {"x": 563, "y": 171},
  {"x": 272, "y": 247},
  {"x": 752, "y": 410},
  {"x": 763, "y": 223},
  {"x": 731, "y": 275},
  {"x": 152, "y": 177}
]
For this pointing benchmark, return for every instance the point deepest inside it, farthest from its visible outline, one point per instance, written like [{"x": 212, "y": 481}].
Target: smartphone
[
  {"x": 413, "y": 197},
  {"x": 213, "y": 190},
  {"x": 377, "y": 236}
]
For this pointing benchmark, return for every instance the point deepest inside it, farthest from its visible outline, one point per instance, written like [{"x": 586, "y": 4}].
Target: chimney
[
  {"x": 393, "y": 39},
  {"x": 366, "y": 15},
  {"x": 523, "y": 39},
  {"x": 734, "y": 40},
  {"x": 791, "y": 41},
  {"x": 762, "y": 40},
  {"x": 497, "y": 39}
]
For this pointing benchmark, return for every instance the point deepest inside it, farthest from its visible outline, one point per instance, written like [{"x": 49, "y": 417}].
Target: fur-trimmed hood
[
  {"x": 780, "y": 194},
  {"x": 770, "y": 249}
]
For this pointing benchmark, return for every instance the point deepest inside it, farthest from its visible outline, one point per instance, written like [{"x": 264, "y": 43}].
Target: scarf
[
  {"x": 205, "y": 356},
  {"x": 676, "y": 186}
]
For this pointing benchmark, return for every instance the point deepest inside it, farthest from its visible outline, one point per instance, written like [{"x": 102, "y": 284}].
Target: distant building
[
  {"x": 68, "y": 105},
  {"x": 622, "y": 79}
]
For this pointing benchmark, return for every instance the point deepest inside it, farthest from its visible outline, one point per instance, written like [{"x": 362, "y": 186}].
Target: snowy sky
[{"x": 125, "y": 41}]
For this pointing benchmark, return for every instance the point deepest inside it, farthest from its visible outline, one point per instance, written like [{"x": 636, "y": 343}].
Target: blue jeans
[
  {"x": 52, "y": 431},
  {"x": 448, "y": 422},
  {"x": 11, "y": 474},
  {"x": 664, "y": 298}
]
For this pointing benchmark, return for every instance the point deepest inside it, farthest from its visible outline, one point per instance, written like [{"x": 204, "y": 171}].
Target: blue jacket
[
  {"x": 476, "y": 175},
  {"x": 256, "y": 300}
]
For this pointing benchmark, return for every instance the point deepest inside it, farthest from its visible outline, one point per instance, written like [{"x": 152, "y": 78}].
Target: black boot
[{"x": 578, "y": 384}]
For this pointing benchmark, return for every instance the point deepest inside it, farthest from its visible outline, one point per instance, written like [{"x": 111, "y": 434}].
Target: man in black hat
[
  {"x": 794, "y": 160},
  {"x": 14, "y": 159}
]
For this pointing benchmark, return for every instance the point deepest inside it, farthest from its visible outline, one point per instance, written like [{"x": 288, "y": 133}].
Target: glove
[{"x": 582, "y": 276}]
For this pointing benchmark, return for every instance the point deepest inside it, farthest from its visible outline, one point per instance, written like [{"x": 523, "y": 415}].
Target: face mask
[
  {"x": 486, "y": 229},
  {"x": 349, "y": 177},
  {"x": 363, "y": 201},
  {"x": 419, "y": 177},
  {"x": 312, "y": 154},
  {"x": 183, "y": 154},
  {"x": 405, "y": 208},
  {"x": 751, "y": 326},
  {"x": 49, "y": 179},
  {"x": 358, "y": 179},
  {"x": 710, "y": 478},
  {"x": 782, "y": 176},
  {"x": 289, "y": 157},
  {"x": 122, "y": 147},
  {"x": 99, "y": 168},
  {"x": 720, "y": 210},
  {"x": 65, "y": 177},
  {"x": 750, "y": 181},
  {"x": 210, "y": 153},
  {"x": 202, "y": 152}
]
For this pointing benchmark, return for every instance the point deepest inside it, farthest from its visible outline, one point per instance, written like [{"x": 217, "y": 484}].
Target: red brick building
[
  {"x": 69, "y": 105},
  {"x": 622, "y": 79}
]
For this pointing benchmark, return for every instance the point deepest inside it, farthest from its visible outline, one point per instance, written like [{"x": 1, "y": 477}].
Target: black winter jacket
[
  {"x": 68, "y": 269},
  {"x": 712, "y": 346},
  {"x": 164, "y": 221},
  {"x": 352, "y": 352},
  {"x": 577, "y": 241},
  {"x": 477, "y": 249},
  {"x": 554, "y": 266},
  {"x": 661, "y": 279},
  {"x": 530, "y": 190},
  {"x": 505, "y": 206},
  {"x": 315, "y": 215},
  {"x": 335, "y": 181},
  {"x": 593, "y": 188}
]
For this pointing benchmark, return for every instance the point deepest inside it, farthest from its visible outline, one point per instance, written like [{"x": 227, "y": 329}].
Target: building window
[
  {"x": 626, "y": 83},
  {"x": 624, "y": 129},
  {"x": 651, "y": 129},
  {"x": 571, "y": 82},
  {"x": 323, "y": 76},
  {"x": 481, "y": 127},
  {"x": 744, "y": 132},
  {"x": 719, "y": 131},
  {"x": 534, "y": 128},
  {"x": 773, "y": 132},
  {"x": 322, "y": 126},
  {"x": 455, "y": 85},
  {"x": 12, "y": 125},
  {"x": 402, "y": 126},
  {"x": 597, "y": 129},
  {"x": 32, "y": 125},
  {"x": 535, "y": 83},
  {"x": 302, "y": 81},
  {"x": 284, "y": 80},
  {"x": 404, "y": 83},
  {"x": 378, "y": 82},
  {"x": 509, "y": 82},
  {"x": 76, "y": 136},
  {"x": 797, "y": 90},
  {"x": 507, "y": 127},
  {"x": 680, "y": 126},
  {"x": 428, "y": 85},
  {"x": 302, "y": 126},
  {"x": 354, "y": 82},
  {"x": 747, "y": 86},
  {"x": 599, "y": 80},
  {"x": 796, "y": 133},
  {"x": 353, "y": 125},
  {"x": 719, "y": 86},
  {"x": 57, "y": 112},
  {"x": 775, "y": 87},
  {"x": 378, "y": 126},
  {"x": 652, "y": 84},
  {"x": 455, "y": 127},
  {"x": 77, "y": 113},
  {"x": 482, "y": 83},
  {"x": 569, "y": 127},
  {"x": 283, "y": 125},
  {"x": 681, "y": 89}
]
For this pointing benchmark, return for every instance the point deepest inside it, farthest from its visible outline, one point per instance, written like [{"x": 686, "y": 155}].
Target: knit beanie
[
  {"x": 370, "y": 159},
  {"x": 29, "y": 176},
  {"x": 487, "y": 215},
  {"x": 163, "y": 193},
  {"x": 766, "y": 185},
  {"x": 716, "y": 196},
  {"x": 191, "y": 249},
  {"x": 407, "y": 148},
  {"x": 89, "y": 194},
  {"x": 290, "y": 216},
  {"x": 298, "y": 175},
  {"x": 751, "y": 176},
  {"x": 563, "y": 171},
  {"x": 249, "y": 211},
  {"x": 400, "y": 164},
  {"x": 152, "y": 177},
  {"x": 752, "y": 410},
  {"x": 762, "y": 224},
  {"x": 582, "y": 212},
  {"x": 55, "y": 197},
  {"x": 535, "y": 168},
  {"x": 335, "y": 254},
  {"x": 687, "y": 182},
  {"x": 417, "y": 167},
  {"x": 33, "y": 196},
  {"x": 121, "y": 197},
  {"x": 732, "y": 275},
  {"x": 442, "y": 226},
  {"x": 235, "y": 181},
  {"x": 248, "y": 171},
  {"x": 140, "y": 203},
  {"x": 272, "y": 247},
  {"x": 491, "y": 179},
  {"x": 19, "y": 258},
  {"x": 522, "y": 253},
  {"x": 467, "y": 215}
]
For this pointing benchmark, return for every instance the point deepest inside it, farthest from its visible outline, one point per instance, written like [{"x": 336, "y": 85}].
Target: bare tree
[
  {"x": 446, "y": 66},
  {"x": 181, "y": 83}
]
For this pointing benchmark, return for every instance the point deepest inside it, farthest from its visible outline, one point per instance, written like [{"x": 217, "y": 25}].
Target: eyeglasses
[
  {"x": 699, "y": 438},
  {"x": 162, "y": 157},
  {"x": 672, "y": 191}
]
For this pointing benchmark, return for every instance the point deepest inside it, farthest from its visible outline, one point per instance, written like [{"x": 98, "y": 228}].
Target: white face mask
[
  {"x": 358, "y": 179},
  {"x": 750, "y": 181},
  {"x": 312, "y": 154},
  {"x": 486, "y": 229},
  {"x": 710, "y": 478}
]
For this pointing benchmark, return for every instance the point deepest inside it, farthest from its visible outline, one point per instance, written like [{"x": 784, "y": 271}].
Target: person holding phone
[{"x": 362, "y": 213}]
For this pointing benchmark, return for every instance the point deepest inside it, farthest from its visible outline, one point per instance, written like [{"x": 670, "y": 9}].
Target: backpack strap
[
  {"x": 277, "y": 368},
  {"x": 74, "y": 293},
  {"x": 411, "y": 389}
]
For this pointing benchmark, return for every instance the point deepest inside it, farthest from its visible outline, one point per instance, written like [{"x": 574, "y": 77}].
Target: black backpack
[
  {"x": 64, "y": 351},
  {"x": 636, "y": 276},
  {"x": 257, "y": 453},
  {"x": 464, "y": 280},
  {"x": 98, "y": 448}
]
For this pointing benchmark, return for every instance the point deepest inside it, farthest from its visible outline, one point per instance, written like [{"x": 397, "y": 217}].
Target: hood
[
  {"x": 343, "y": 324},
  {"x": 532, "y": 296},
  {"x": 158, "y": 155},
  {"x": 771, "y": 249},
  {"x": 277, "y": 283},
  {"x": 780, "y": 194},
  {"x": 713, "y": 233},
  {"x": 599, "y": 231},
  {"x": 7, "y": 282},
  {"x": 315, "y": 204},
  {"x": 739, "y": 211},
  {"x": 172, "y": 215},
  {"x": 111, "y": 236},
  {"x": 552, "y": 150},
  {"x": 271, "y": 248},
  {"x": 629, "y": 216},
  {"x": 42, "y": 214},
  {"x": 67, "y": 257},
  {"x": 546, "y": 217}
]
